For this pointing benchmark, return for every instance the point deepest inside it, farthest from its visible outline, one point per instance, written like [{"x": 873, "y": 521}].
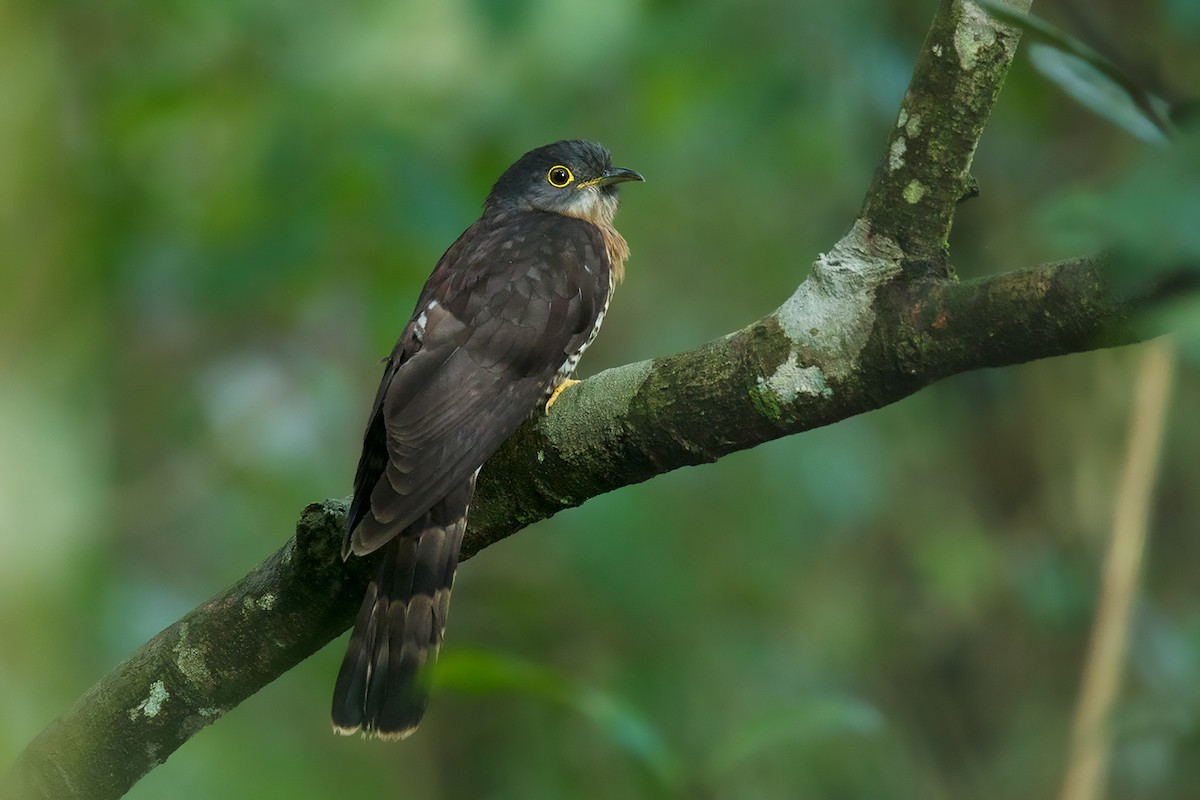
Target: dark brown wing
[{"x": 507, "y": 304}]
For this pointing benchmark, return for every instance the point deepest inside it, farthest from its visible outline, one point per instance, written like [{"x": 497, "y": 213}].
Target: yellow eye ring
[{"x": 559, "y": 176}]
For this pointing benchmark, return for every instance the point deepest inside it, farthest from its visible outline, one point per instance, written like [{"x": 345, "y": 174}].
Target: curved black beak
[{"x": 618, "y": 175}]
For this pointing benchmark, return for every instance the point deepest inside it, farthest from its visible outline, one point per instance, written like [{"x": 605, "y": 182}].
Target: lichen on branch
[{"x": 926, "y": 166}]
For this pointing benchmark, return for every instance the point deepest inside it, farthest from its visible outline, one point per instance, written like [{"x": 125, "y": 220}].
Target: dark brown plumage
[{"x": 500, "y": 324}]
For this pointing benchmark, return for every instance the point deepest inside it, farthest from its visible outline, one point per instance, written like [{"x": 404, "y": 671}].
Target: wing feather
[{"x": 506, "y": 306}]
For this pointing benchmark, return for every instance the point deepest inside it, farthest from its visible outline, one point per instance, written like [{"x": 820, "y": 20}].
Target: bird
[{"x": 495, "y": 337}]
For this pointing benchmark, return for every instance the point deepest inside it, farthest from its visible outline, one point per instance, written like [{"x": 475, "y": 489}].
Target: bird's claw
[{"x": 557, "y": 391}]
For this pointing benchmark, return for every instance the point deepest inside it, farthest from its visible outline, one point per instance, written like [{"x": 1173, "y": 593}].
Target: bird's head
[{"x": 573, "y": 177}]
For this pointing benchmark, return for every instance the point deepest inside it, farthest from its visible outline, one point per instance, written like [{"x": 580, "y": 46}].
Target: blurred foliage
[
  {"x": 216, "y": 216},
  {"x": 1088, "y": 76},
  {"x": 1147, "y": 221}
]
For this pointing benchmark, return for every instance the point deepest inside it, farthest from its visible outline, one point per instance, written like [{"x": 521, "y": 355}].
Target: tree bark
[{"x": 879, "y": 317}]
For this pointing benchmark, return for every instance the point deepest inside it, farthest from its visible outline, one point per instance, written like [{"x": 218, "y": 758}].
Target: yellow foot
[{"x": 557, "y": 391}]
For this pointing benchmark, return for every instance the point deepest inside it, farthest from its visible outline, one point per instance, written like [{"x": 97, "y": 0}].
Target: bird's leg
[{"x": 557, "y": 391}]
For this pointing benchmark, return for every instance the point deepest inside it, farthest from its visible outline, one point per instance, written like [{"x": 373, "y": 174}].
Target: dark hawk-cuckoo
[{"x": 496, "y": 333}]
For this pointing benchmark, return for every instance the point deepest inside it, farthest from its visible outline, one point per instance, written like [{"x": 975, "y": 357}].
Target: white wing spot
[{"x": 422, "y": 319}]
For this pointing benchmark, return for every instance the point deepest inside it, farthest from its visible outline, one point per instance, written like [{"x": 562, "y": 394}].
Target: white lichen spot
[
  {"x": 913, "y": 126},
  {"x": 975, "y": 31},
  {"x": 541, "y": 456},
  {"x": 266, "y": 602},
  {"x": 829, "y": 317},
  {"x": 914, "y": 191},
  {"x": 190, "y": 659},
  {"x": 210, "y": 712},
  {"x": 153, "y": 702},
  {"x": 937, "y": 50},
  {"x": 896, "y": 153},
  {"x": 792, "y": 380},
  {"x": 903, "y": 118}
]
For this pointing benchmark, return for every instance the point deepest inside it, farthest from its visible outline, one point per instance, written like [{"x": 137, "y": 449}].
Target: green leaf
[
  {"x": 628, "y": 729},
  {"x": 814, "y": 719},
  {"x": 1090, "y": 78},
  {"x": 482, "y": 672},
  {"x": 1095, "y": 90}
]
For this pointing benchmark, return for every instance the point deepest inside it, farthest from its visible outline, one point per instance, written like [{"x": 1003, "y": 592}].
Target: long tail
[{"x": 383, "y": 686}]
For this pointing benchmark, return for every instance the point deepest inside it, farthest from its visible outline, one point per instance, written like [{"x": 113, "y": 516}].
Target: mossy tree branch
[
  {"x": 926, "y": 167},
  {"x": 875, "y": 321}
]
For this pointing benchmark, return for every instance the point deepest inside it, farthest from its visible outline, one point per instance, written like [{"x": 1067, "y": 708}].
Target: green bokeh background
[{"x": 215, "y": 218}]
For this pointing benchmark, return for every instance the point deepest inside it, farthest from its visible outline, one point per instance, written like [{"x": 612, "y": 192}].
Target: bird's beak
[{"x": 616, "y": 175}]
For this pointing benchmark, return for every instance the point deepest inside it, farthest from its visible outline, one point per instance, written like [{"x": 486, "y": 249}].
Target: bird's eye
[{"x": 559, "y": 176}]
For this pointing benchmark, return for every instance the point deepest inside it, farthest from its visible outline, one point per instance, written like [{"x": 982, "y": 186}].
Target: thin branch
[
  {"x": 926, "y": 167},
  {"x": 1091, "y": 733}
]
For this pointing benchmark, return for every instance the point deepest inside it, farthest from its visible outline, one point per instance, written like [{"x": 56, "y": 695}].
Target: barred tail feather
[{"x": 383, "y": 686}]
